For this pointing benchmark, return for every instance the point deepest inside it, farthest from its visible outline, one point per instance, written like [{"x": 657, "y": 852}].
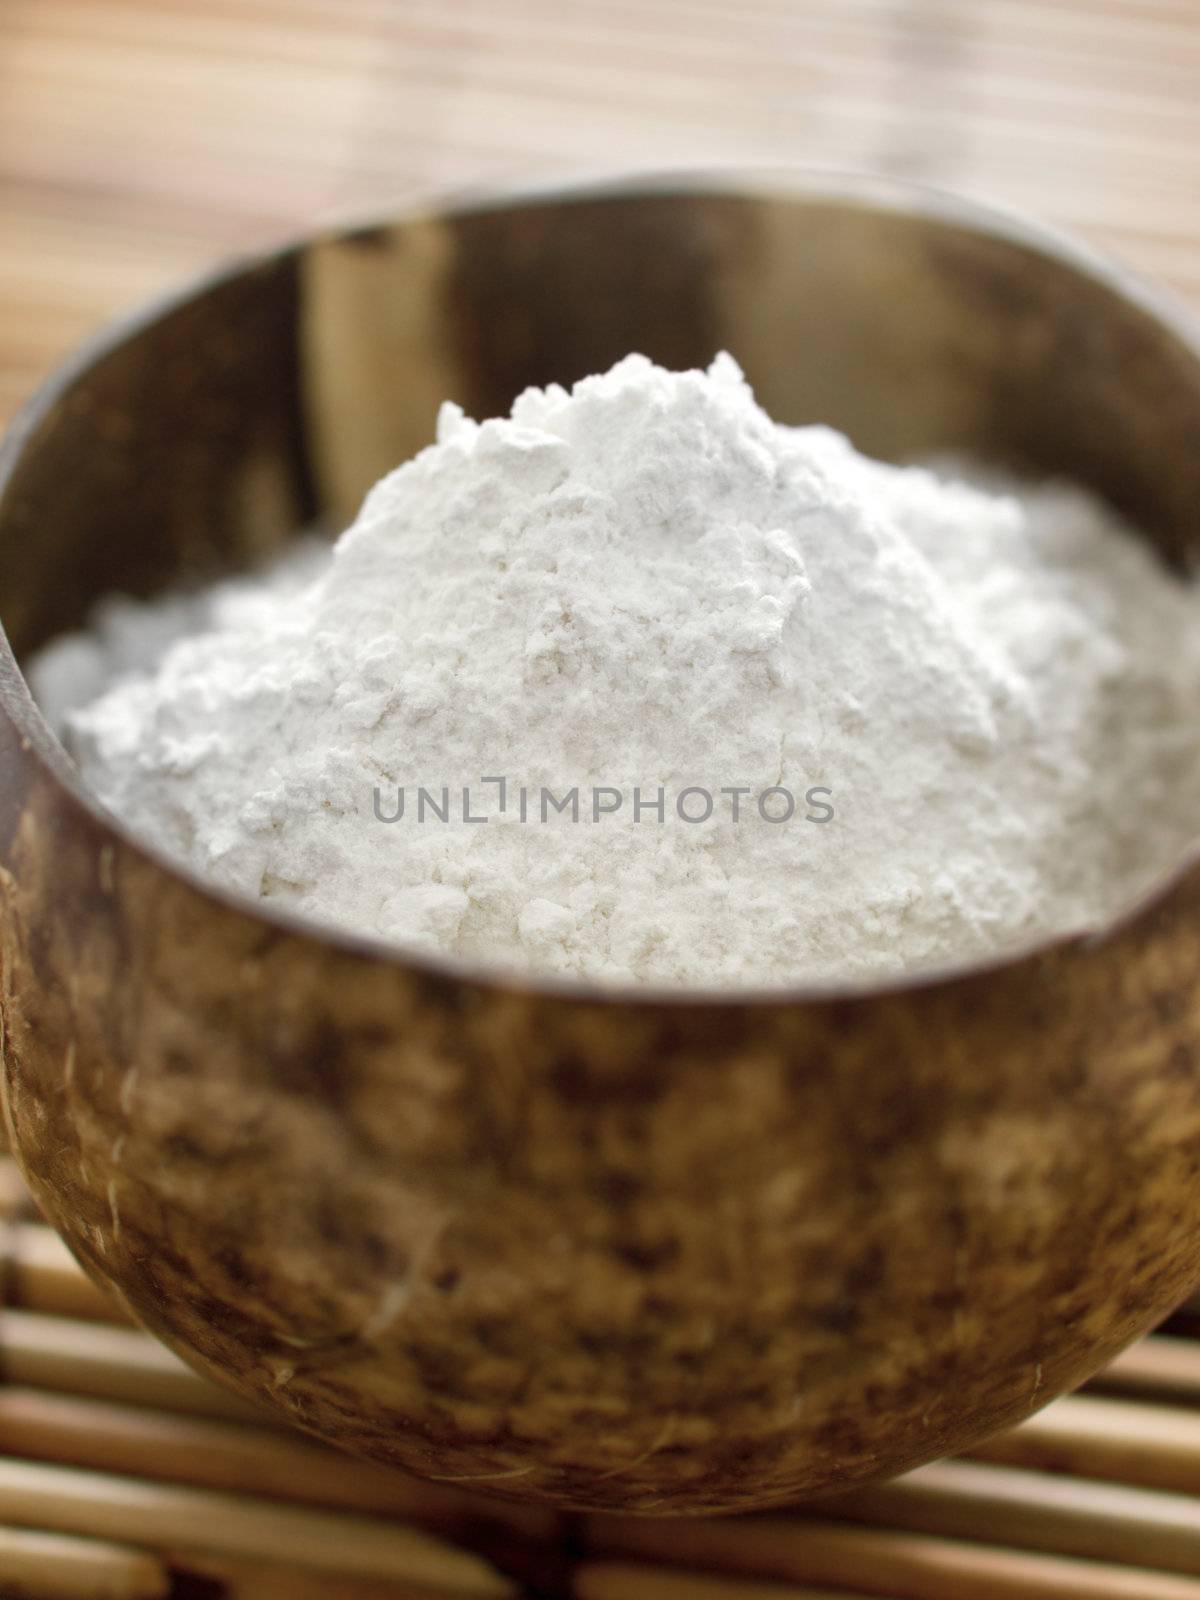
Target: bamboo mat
[
  {"x": 140, "y": 140},
  {"x": 125, "y": 1476}
]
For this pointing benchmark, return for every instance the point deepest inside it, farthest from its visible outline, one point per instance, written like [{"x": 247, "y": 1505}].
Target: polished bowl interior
[{"x": 648, "y": 1251}]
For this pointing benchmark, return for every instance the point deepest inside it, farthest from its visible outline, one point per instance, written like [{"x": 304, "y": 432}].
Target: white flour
[{"x": 647, "y": 582}]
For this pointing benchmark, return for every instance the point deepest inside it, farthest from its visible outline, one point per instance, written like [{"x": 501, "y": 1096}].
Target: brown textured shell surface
[{"x": 649, "y": 1252}]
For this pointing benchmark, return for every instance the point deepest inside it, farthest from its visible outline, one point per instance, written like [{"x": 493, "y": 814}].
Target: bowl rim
[{"x": 854, "y": 190}]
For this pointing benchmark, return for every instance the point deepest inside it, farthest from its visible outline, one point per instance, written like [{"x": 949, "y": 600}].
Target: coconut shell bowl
[{"x": 652, "y": 1251}]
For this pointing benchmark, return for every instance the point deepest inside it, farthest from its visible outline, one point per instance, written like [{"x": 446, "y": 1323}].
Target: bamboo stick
[
  {"x": 1159, "y": 1368},
  {"x": 1034, "y": 1511},
  {"x": 1121, "y": 1441},
  {"x": 58, "y": 1567},
  {"x": 624, "y": 1580},
  {"x": 237, "y": 1459},
  {"x": 14, "y": 1196},
  {"x": 256, "y": 1580},
  {"x": 43, "y": 1275},
  {"x": 113, "y": 1363},
  {"x": 877, "y": 1562},
  {"x": 100, "y": 1505}
]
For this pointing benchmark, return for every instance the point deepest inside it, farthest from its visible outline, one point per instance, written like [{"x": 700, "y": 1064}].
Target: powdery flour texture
[{"x": 646, "y": 582}]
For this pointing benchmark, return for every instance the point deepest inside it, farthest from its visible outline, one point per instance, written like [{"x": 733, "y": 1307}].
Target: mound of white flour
[{"x": 980, "y": 701}]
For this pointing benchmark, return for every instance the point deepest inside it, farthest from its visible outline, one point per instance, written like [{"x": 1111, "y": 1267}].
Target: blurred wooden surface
[{"x": 143, "y": 139}]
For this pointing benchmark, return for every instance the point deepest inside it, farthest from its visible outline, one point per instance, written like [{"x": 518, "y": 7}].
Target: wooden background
[{"x": 143, "y": 139}]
